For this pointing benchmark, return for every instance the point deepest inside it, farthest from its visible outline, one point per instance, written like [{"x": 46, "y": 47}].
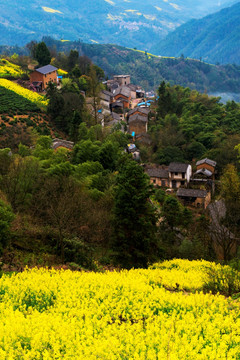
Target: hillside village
[
  {"x": 125, "y": 106},
  {"x": 120, "y": 118}
]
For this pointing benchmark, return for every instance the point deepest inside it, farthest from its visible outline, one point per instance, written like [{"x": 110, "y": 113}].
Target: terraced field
[{"x": 14, "y": 97}]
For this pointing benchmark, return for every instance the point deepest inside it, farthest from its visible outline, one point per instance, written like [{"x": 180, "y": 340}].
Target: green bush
[{"x": 223, "y": 280}]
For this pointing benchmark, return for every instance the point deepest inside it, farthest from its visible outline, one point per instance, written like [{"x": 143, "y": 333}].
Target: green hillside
[
  {"x": 215, "y": 38},
  {"x": 149, "y": 70}
]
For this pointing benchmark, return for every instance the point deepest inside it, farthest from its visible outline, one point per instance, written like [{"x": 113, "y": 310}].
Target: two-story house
[
  {"x": 44, "y": 75},
  {"x": 179, "y": 174}
]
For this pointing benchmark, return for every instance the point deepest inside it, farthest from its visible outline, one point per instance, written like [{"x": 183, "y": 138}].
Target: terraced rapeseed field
[
  {"x": 8, "y": 69},
  {"x": 33, "y": 97},
  {"x": 130, "y": 315}
]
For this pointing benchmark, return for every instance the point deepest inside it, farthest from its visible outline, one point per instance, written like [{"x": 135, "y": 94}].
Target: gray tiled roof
[
  {"x": 144, "y": 111},
  {"x": 191, "y": 193},
  {"x": 137, "y": 117},
  {"x": 46, "y": 69},
  {"x": 123, "y": 90},
  {"x": 115, "y": 116},
  {"x": 206, "y": 161},
  {"x": 158, "y": 173},
  {"x": 177, "y": 167},
  {"x": 62, "y": 143},
  {"x": 205, "y": 172}
]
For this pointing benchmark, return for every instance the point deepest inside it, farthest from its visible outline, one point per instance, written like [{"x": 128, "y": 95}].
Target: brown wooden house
[
  {"x": 138, "y": 124},
  {"x": 194, "y": 197},
  {"x": 206, "y": 164},
  {"x": 41, "y": 77},
  {"x": 140, "y": 111},
  {"x": 158, "y": 176},
  {"x": 123, "y": 94}
]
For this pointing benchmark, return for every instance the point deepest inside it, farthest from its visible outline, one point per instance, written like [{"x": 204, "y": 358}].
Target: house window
[
  {"x": 154, "y": 181},
  {"x": 183, "y": 175},
  {"x": 176, "y": 173},
  {"x": 163, "y": 183},
  {"x": 182, "y": 182}
]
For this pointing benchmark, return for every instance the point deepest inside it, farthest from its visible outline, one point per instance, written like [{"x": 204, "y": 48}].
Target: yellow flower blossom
[{"x": 132, "y": 315}]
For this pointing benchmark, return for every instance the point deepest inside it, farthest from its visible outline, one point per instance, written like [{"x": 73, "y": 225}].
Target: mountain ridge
[
  {"x": 214, "y": 38},
  {"x": 134, "y": 24}
]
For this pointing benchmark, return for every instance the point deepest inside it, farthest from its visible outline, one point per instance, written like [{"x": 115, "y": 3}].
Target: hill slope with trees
[{"x": 215, "y": 38}]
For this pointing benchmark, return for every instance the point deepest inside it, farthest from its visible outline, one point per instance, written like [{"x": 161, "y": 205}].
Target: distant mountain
[
  {"x": 132, "y": 23},
  {"x": 215, "y": 38}
]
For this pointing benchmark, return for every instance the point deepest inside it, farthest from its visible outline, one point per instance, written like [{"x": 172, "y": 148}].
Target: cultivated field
[{"x": 159, "y": 313}]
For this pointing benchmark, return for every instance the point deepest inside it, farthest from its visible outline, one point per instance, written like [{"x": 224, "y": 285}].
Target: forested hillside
[
  {"x": 91, "y": 205},
  {"x": 149, "y": 70},
  {"x": 215, "y": 38},
  {"x": 187, "y": 126}
]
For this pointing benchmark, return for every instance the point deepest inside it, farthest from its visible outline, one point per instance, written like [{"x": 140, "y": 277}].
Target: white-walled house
[{"x": 179, "y": 174}]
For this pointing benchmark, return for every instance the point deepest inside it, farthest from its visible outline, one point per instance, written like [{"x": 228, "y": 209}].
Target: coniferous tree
[
  {"x": 134, "y": 217},
  {"x": 42, "y": 54}
]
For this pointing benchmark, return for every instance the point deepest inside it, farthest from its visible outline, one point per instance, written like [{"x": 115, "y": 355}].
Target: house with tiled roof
[
  {"x": 41, "y": 77},
  {"x": 158, "y": 176},
  {"x": 138, "y": 124},
  {"x": 194, "y": 197},
  {"x": 179, "y": 174},
  {"x": 122, "y": 94}
]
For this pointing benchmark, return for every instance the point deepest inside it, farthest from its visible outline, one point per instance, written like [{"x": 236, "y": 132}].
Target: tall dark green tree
[
  {"x": 134, "y": 241},
  {"x": 42, "y": 54}
]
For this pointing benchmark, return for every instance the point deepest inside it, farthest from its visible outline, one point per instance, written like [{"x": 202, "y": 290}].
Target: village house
[
  {"x": 105, "y": 101},
  {"x": 206, "y": 167},
  {"x": 115, "y": 120},
  {"x": 158, "y": 176},
  {"x": 144, "y": 138},
  {"x": 143, "y": 111},
  {"x": 179, "y": 174},
  {"x": 194, "y": 197},
  {"x": 59, "y": 143},
  {"x": 122, "y": 79},
  {"x": 41, "y": 77},
  {"x": 137, "y": 124},
  {"x": 123, "y": 94},
  {"x": 136, "y": 91}
]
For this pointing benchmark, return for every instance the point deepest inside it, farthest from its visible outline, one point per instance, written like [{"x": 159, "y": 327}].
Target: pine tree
[
  {"x": 42, "y": 54},
  {"x": 134, "y": 217}
]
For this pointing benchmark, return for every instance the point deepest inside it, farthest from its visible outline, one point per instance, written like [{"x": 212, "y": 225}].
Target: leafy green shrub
[
  {"x": 222, "y": 279},
  {"x": 6, "y": 217}
]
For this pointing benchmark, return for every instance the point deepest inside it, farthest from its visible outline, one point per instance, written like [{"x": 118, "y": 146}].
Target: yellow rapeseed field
[
  {"x": 128, "y": 315},
  {"x": 28, "y": 94},
  {"x": 9, "y": 69}
]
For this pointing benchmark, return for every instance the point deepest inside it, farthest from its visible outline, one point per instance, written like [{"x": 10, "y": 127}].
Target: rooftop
[
  {"x": 193, "y": 193},
  {"x": 144, "y": 111},
  {"x": 123, "y": 90},
  {"x": 62, "y": 143},
  {"x": 205, "y": 172},
  {"x": 157, "y": 172},
  {"x": 121, "y": 76},
  {"x": 177, "y": 167},
  {"x": 137, "y": 117},
  {"x": 206, "y": 161},
  {"x": 46, "y": 69}
]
